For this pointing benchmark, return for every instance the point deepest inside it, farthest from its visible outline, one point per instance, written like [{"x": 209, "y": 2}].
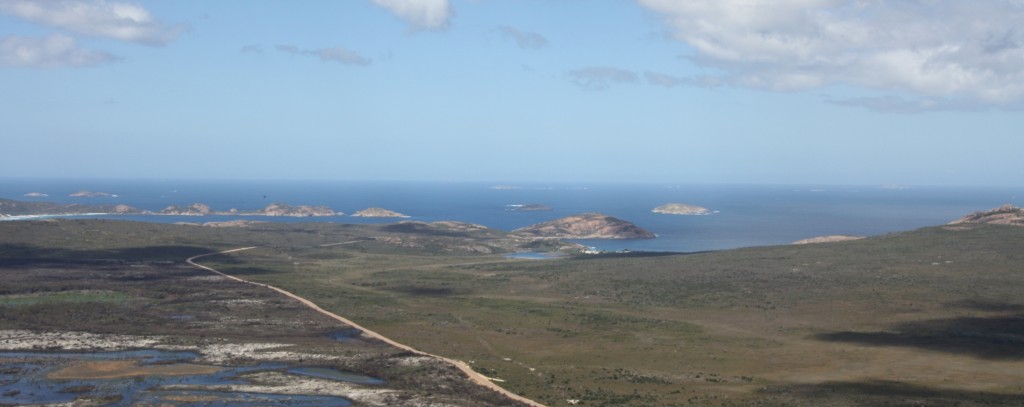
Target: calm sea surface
[{"x": 746, "y": 215}]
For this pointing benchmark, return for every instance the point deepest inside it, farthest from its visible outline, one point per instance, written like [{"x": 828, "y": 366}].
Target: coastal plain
[{"x": 926, "y": 317}]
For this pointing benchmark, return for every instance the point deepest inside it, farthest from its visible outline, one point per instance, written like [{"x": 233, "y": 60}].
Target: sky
[{"x": 872, "y": 92}]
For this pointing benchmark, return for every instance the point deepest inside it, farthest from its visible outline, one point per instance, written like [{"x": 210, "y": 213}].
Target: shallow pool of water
[
  {"x": 535, "y": 255},
  {"x": 25, "y": 379},
  {"x": 334, "y": 374}
]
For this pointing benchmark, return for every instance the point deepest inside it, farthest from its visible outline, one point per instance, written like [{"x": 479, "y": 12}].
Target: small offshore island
[
  {"x": 528, "y": 208},
  {"x": 586, "y": 226},
  {"x": 91, "y": 194},
  {"x": 378, "y": 213},
  {"x": 681, "y": 209}
]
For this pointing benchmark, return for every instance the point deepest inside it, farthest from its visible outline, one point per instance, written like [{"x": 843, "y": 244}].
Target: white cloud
[
  {"x": 110, "y": 19},
  {"x": 927, "y": 49},
  {"x": 601, "y": 78},
  {"x": 525, "y": 39},
  {"x": 51, "y": 52},
  {"x": 335, "y": 54},
  {"x": 420, "y": 14}
]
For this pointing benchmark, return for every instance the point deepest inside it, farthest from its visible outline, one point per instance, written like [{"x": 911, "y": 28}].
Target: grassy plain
[
  {"x": 932, "y": 316},
  {"x": 929, "y": 317}
]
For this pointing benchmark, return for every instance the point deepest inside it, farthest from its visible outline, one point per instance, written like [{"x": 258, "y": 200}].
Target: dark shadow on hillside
[
  {"x": 985, "y": 305},
  {"x": 423, "y": 229},
  {"x": 889, "y": 393},
  {"x": 12, "y": 255},
  {"x": 1000, "y": 337},
  {"x": 246, "y": 271},
  {"x": 429, "y": 291}
]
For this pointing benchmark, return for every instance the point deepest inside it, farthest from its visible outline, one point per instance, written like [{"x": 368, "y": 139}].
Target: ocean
[{"x": 745, "y": 215}]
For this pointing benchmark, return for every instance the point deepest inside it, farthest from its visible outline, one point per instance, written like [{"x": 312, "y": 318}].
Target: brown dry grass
[{"x": 119, "y": 369}]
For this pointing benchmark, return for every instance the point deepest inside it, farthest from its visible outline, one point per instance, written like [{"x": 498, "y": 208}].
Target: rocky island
[
  {"x": 196, "y": 209},
  {"x": 378, "y": 213},
  {"x": 1003, "y": 215},
  {"x": 11, "y": 208},
  {"x": 90, "y": 194},
  {"x": 527, "y": 208},
  {"x": 36, "y": 195},
  {"x": 681, "y": 209},
  {"x": 585, "y": 226},
  {"x": 282, "y": 209}
]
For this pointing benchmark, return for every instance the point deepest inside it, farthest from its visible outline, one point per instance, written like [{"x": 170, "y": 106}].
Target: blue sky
[{"x": 699, "y": 91}]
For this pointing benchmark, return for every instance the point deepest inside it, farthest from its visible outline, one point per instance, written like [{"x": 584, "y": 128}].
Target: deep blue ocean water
[{"x": 746, "y": 215}]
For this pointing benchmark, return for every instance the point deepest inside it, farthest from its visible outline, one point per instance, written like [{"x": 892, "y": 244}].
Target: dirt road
[{"x": 473, "y": 375}]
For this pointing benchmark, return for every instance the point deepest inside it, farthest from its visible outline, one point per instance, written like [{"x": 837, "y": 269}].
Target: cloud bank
[
  {"x": 420, "y": 14},
  {"x": 54, "y": 51},
  {"x": 335, "y": 54},
  {"x": 943, "y": 52},
  {"x": 109, "y": 19},
  {"x": 524, "y": 39}
]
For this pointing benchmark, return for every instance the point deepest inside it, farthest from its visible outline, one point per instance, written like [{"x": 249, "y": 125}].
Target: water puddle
[
  {"x": 346, "y": 335},
  {"x": 535, "y": 255},
  {"x": 195, "y": 398},
  {"x": 333, "y": 374}
]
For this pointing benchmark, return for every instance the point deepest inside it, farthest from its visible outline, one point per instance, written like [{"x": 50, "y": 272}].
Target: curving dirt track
[{"x": 473, "y": 375}]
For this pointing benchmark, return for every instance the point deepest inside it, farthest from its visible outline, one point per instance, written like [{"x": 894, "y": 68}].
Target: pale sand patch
[
  {"x": 72, "y": 341},
  {"x": 282, "y": 383},
  {"x": 828, "y": 239}
]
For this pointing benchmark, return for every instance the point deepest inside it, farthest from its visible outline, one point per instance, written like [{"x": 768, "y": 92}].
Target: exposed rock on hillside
[
  {"x": 828, "y": 239},
  {"x": 379, "y": 213},
  {"x": 586, "y": 226},
  {"x": 280, "y": 209},
  {"x": 681, "y": 209},
  {"x": 1003, "y": 215},
  {"x": 196, "y": 209}
]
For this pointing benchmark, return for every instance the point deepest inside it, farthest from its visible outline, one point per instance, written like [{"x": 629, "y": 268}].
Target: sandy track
[{"x": 473, "y": 375}]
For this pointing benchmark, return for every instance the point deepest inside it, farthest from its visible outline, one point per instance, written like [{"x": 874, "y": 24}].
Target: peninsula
[
  {"x": 1003, "y": 215},
  {"x": 828, "y": 239}
]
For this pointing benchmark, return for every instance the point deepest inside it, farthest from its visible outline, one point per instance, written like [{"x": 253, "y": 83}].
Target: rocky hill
[
  {"x": 585, "y": 226},
  {"x": 1003, "y": 215}
]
